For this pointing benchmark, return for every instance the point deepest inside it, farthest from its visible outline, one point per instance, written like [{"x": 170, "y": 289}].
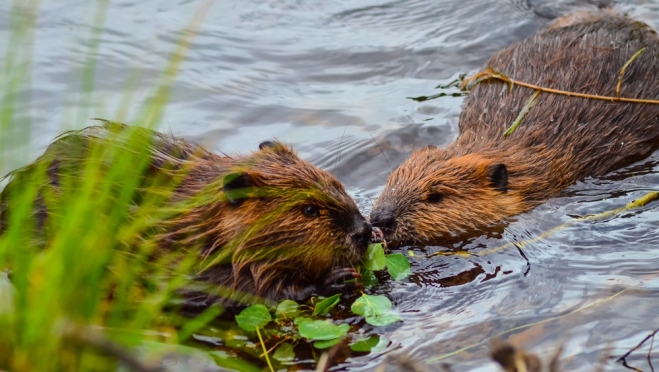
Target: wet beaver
[
  {"x": 439, "y": 195},
  {"x": 271, "y": 224}
]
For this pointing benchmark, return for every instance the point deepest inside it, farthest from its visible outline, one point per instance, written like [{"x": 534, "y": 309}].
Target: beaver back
[{"x": 588, "y": 137}]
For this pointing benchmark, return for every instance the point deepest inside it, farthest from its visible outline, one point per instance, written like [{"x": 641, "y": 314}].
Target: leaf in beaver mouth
[
  {"x": 255, "y": 316},
  {"x": 376, "y": 310}
]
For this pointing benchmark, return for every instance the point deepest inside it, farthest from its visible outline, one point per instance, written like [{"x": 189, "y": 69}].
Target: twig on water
[{"x": 650, "y": 336}]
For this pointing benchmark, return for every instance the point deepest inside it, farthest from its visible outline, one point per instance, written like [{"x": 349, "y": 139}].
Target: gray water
[{"x": 333, "y": 78}]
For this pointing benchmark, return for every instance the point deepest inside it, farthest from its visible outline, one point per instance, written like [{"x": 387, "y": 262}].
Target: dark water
[{"x": 332, "y": 78}]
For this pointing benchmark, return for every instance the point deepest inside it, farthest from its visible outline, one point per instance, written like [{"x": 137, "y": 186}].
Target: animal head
[
  {"x": 433, "y": 197},
  {"x": 280, "y": 215}
]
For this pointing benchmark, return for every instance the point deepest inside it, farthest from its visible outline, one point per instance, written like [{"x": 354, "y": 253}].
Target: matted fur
[{"x": 260, "y": 246}]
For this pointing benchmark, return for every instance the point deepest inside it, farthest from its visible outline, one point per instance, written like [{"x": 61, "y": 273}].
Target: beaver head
[
  {"x": 434, "y": 196},
  {"x": 272, "y": 219}
]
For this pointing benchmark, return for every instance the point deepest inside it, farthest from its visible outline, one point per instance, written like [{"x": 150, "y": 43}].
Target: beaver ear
[
  {"x": 275, "y": 146},
  {"x": 497, "y": 174},
  {"x": 235, "y": 187},
  {"x": 268, "y": 144}
]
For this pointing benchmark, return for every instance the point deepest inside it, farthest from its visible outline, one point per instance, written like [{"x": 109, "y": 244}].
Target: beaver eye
[
  {"x": 434, "y": 197},
  {"x": 310, "y": 210}
]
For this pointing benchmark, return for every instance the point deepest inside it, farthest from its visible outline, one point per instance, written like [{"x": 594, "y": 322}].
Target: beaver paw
[{"x": 336, "y": 281}]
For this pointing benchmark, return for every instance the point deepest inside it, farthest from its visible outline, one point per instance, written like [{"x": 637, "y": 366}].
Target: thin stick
[
  {"x": 489, "y": 73},
  {"x": 267, "y": 359},
  {"x": 624, "y": 68},
  {"x": 650, "y": 354},
  {"x": 651, "y": 335}
]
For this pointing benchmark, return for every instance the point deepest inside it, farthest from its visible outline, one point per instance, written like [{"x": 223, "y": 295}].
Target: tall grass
[{"x": 79, "y": 291}]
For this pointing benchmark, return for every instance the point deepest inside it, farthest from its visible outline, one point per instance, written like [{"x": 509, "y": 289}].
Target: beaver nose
[
  {"x": 361, "y": 231},
  {"x": 383, "y": 218}
]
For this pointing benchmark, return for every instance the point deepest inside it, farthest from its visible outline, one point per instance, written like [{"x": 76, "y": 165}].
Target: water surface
[{"x": 333, "y": 78}]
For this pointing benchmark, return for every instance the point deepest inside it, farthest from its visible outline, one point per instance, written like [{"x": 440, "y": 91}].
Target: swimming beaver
[
  {"x": 275, "y": 226},
  {"x": 438, "y": 195}
]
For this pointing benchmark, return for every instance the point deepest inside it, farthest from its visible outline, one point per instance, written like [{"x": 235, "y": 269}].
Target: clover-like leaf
[
  {"x": 398, "y": 266},
  {"x": 322, "y": 330},
  {"x": 284, "y": 353},
  {"x": 255, "y": 316},
  {"x": 327, "y": 344},
  {"x": 365, "y": 344},
  {"x": 368, "y": 278},
  {"x": 374, "y": 258},
  {"x": 325, "y": 305},
  {"x": 376, "y": 310},
  {"x": 287, "y": 309}
]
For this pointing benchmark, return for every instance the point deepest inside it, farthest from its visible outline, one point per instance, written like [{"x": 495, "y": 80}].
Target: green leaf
[
  {"x": 325, "y": 305},
  {"x": 369, "y": 279},
  {"x": 376, "y": 310},
  {"x": 374, "y": 258},
  {"x": 525, "y": 110},
  {"x": 287, "y": 309},
  {"x": 365, "y": 344},
  {"x": 301, "y": 320},
  {"x": 398, "y": 266},
  {"x": 284, "y": 353},
  {"x": 327, "y": 344},
  {"x": 255, "y": 316},
  {"x": 322, "y": 330}
]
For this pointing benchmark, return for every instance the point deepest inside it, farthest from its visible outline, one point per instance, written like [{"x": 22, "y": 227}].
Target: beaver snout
[
  {"x": 361, "y": 232},
  {"x": 383, "y": 217}
]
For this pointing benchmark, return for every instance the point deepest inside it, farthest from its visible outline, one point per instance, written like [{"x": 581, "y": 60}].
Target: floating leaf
[
  {"x": 300, "y": 320},
  {"x": 369, "y": 279},
  {"x": 284, "y": 353},
  {"x": 325, "y": 305},
  {"x": 365, "y": 344},
  {"x": 255, "y": 316},
  {"x": 327, "y": 344},
  {"x": 410, "y": 253},
  {"x": 374, "y": 259},
  {"x": 376, "y": 310},
  {"x": 398, "y": 266},
  {"x": 287, "y": 309},
  {"x": 322, "y": 330}
]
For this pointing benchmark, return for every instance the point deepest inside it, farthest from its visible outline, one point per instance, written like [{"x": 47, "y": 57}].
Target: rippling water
[{"x": 333, "y": 78}]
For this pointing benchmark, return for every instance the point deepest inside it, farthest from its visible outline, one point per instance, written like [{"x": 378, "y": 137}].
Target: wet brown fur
[
  {"x": 561, "y": 140},
  {"x": 257, "y": 242}
]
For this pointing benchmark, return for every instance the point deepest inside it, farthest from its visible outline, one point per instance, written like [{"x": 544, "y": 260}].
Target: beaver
[
  {"x": 268, "y": 226},
  {"x": 442, "y": 195}
]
